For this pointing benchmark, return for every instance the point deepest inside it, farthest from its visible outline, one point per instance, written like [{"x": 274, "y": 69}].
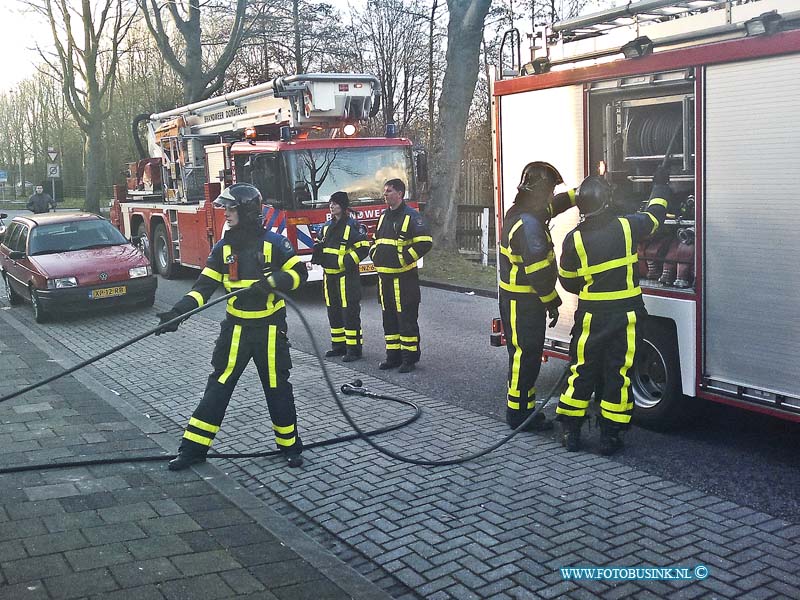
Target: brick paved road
[{"x": 499, "y": 527}]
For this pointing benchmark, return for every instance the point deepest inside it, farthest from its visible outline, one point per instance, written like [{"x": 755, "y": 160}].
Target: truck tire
[
  {"x": 145, "y": 245},
  {"x": 656, "y": 378},
  {"x": 162, "y": 253},
  {"x": 13, "y": 297}
]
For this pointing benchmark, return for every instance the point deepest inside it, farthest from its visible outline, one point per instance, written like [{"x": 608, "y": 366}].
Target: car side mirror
[
  {"x": 16, "y": 254},
  {"x": 3, "y": 215}
]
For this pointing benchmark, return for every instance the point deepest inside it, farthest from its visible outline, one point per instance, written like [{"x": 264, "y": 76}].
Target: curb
[{"x": 457, "y": 288}]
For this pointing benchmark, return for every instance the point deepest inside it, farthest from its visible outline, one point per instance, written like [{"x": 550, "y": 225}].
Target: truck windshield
[{"x": 315, "y": 174}]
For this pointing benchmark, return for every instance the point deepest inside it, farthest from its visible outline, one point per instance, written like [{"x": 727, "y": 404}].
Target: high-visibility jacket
[
  {"x": 527, "y": 263},
  {"x": 343, "y": 246},
  {"x": 599, "y": 257},
  {"x": 401, "y": 239},
  {"x": 269, "y": 256}
]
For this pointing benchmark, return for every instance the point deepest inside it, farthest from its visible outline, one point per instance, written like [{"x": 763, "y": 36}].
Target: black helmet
[
  {"x": 594, "y": 195},
  {"x": 245, "y": 198},
  {"x": 537, "y": 171}
]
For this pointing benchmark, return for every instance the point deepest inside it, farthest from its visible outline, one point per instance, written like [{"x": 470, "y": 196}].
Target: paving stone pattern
[{"x": 498, "y": 527}]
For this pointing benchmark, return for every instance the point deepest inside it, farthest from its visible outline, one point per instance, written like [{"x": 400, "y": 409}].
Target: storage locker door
[
  {"x": 545, "y": 125},
  {"x": 752, "y": 220}
]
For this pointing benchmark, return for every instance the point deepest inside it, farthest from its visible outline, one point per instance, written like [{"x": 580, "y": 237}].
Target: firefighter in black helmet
[
  {"x": 247, "y": 256},
  {"x": 527, "y": 285},
  {"x": 341, "y": 247},
  {"x": 599, "y": 264}
]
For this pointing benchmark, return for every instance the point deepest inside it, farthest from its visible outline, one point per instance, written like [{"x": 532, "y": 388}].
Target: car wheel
[
  {"x": 13, "y": 297},
  {"x": 38, "y": 312},
  {"x": 656, "y": 378},
  {"x": 162, "y": 253}
]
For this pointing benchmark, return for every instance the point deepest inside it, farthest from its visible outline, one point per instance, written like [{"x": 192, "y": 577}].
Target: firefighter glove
[
  {"x": 164, "y": 318},
  {"x": 263, "y": 286},
  {"x": 552, "y": 311},
  {"x": 661, "y": 176},
  {"x": 316, "y": 255}
]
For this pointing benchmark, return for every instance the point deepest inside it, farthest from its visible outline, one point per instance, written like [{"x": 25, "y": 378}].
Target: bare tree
[
  {"x": 199, "y": 81},
  {"x": 87, "y": 71},
  {"x": 464, "y": 34}
]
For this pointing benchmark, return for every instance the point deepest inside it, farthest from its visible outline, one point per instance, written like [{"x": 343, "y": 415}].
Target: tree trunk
[
  {"x": 193, "y": 84},
  {"x": 94, "y": 167},
  {"x": 464, "y": 34}
]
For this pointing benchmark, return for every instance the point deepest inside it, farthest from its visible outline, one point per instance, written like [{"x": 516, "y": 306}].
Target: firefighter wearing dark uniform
[
  {"x": 401, "y": 239},
  {"x": 254, "y": 326},
  {"x": 528, "y": 274},
  {"x": 599, "y": 264},
  {"x": 341, "y": 248}
]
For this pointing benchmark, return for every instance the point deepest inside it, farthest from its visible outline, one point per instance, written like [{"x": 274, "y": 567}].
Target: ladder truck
[
  {"x": 605, "y": 94},
  {"x": 295, "y": 138}
]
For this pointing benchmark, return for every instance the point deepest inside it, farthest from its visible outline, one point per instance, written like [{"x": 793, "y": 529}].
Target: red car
[{"x": 71, "y": 262}]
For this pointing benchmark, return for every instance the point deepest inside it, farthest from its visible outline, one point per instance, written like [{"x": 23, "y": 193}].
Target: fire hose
[{"x": 355, "y": 388}]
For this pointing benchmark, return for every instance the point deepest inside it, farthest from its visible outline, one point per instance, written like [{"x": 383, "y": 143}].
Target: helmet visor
[{"x": 226, "y": 200}]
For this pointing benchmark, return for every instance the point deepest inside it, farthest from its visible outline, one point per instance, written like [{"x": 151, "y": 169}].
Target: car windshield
[{"x": 75, "y": 235}]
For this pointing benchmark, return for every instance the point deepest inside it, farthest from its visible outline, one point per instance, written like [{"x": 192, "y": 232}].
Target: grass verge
[{"x": 443, "y": 266}]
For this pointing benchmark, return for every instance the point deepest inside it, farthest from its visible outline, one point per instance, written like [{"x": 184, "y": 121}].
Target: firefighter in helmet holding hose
[
  {"x": 256, "y": 260},
  {"x": 527, "y": 285},
  {"x": 341, "y": 247},
  {"x": 599, "y": 264}
]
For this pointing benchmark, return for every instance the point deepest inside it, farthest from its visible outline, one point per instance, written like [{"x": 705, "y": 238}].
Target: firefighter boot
[
  {"x": 392, "y": 360},
  {"x": 610, "y": 437},
  {"x": 184, "y": 460},
  {"x": 353, "y": 354},
  {"x": 571, "y": 433},
  {"x": 336, "y": 351},
  {"x": 514, "y": 419}
]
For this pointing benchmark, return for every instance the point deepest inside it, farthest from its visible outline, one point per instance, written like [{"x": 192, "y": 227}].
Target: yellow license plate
[
  {"x": 367, "y": 268},
  {"x": 109, "y": 292}
]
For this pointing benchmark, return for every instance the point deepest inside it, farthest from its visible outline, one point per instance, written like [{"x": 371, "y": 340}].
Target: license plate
[
  {"x": 109, "y": 292},
  {"x": 367, "y": 268}
]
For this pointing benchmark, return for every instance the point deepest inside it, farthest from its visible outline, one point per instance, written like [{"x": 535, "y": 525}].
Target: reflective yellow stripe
[
  {"x": 575, "y": 402},
  {"x": 343, "y": 291},
  {"x": 549, "y": 297},
  {"x": 285, "y": 441},
  {"x": 419, "y": 238},
  {"x": 584, "y": 260},
  {"x": 656, "y": 224},
  {"x": 630, "y": 335},
  {"x": 633, "y": 258},
  {"x": 522, "y": 289},
  {"x": 267, "y": 253},
  {"x": 567, "y": 274},
  {"x": 398, "y": 306},
  {"x": 211, "y": 274},
  {"x": 198, "y": 297},
  {"x": 283, "y": 429},
  {"x": 394, "y": 270},
  {"x": 334, "y": 251},
  {"x": 255, "y": 314},
  {"x": 572, "y": 195},
  {"x": 514, "y": 258},
  {"x": 203, "y": 425},
  {"x": 413, "y": 254},
  {"x": 380, "y": 293},
  {"x": 325, "y": 283},
  {"x": 511, "y": 233},
  {"x": 513, "y": 405},
  {"x": 271, "y": 343},
  {"x": 517, "y": 357},
  {"x": 406, "y": 221},
  {"x": 620, "y": 295},
  {"x": 346, "y": 234},
  {"x": 541, "y": 264},
  {"x": 232, "y": 354},
  {"x": 657, "y": 202},
  {"x": 580, "y": 359},
  {"x": 199, "y": 439}
]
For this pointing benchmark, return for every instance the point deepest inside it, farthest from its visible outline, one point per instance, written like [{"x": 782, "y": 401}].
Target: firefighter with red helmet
[
  {"x": 528, "y": 274},
  {"x": 342, "y": 246},
  {"x": 599, "y": 264},
  {"x": 247, "y": 256},
  {"x": 402, "y": 237}
]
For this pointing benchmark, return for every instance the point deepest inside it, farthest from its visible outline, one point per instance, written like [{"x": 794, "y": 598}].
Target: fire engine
[
  {"x": 605, "y": 93},
  {"x": 294, "y": 138}
]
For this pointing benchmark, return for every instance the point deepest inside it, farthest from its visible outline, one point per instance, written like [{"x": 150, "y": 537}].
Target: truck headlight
[
  {"x": 61, "y": 283},
  {"x": 139, "y": 272}
]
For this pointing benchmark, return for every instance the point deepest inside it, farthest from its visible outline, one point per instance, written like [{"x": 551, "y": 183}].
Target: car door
[{"x": 19, "y": 270}]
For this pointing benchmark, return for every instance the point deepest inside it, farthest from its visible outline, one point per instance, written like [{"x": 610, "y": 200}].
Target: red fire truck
[
  {"x": 295, "y": 138},
  {"x": 606, "y": 93}
]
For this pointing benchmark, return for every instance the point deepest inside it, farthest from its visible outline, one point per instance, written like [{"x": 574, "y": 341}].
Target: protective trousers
[
  {"x": 523, "y": 320},
  {"x": 268, "y": 346},
  {"x": 343, "y": 299},
  {"x": 400, "y": 296},
  {"x": 602, "y": 350}
]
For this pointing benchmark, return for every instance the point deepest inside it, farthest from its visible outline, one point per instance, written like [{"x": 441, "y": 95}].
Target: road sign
[
  {"x": 53, "y": 171},
  {"x": 3, "y": 176},
  {"x": 52, "y": 154}
]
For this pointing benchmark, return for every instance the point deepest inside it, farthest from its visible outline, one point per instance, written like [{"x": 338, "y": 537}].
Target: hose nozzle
[{"x": 354, "y": 388}]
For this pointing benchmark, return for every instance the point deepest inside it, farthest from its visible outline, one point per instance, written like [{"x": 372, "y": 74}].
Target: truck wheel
[
  {"x": 656, "y": 378},
  {"x": 141, "y": 232},
  {"x": 39, "y": 314},
  {"x": 13, "y": 298},
  {"x": 162, "y": 253}
]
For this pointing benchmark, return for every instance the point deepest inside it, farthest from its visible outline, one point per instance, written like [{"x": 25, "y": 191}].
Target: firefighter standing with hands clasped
[
  {"x": 248, "y": 256},
  {"x": 599, "y": 264},
  {"x": 401, "y": 239},
  {"x": 341, "y": 248},
  {"x": 528, "y": 275}
]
